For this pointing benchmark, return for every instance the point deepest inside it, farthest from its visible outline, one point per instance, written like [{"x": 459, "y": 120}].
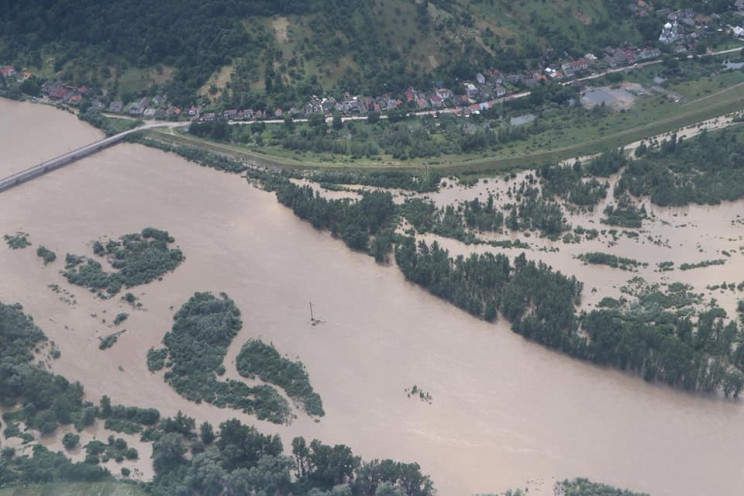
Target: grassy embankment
[{"x": 566, "y": 136}]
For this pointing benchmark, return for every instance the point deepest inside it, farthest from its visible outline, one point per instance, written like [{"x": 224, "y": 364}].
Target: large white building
[{"x": 669, "y": 33}]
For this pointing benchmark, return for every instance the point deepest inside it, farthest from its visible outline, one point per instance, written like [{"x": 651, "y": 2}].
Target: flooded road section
[{"x": 504, "y": 411}]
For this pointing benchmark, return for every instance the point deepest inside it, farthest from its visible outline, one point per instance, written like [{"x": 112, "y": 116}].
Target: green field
[{"x": 76, "y": 489}]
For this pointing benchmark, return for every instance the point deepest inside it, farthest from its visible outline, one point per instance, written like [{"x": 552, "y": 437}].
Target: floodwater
[
  {"x": 505, "y": 411},
  {"x": 31, "y": 134}
]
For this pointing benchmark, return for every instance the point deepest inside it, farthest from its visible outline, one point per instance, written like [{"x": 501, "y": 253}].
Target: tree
[
  {"x": 316, "y": 120},
  {"x": 373, "y": 117},
  {"x": 105, "y": 411},
  {"x": 168, "y": 452},
  {"x": 301, "y": 453},
  {"x": 388, "y": 489},
  {"x": 70, "y": 440},
  {"x": 207, "y": 433},
  {"x": 205, "y": 475}
]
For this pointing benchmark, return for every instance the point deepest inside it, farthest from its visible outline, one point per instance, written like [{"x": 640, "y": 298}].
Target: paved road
[{"x": 70, "y": 157}]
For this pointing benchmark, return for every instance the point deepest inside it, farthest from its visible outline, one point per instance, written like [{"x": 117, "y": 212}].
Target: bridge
[{"x": 66, "y": 159}]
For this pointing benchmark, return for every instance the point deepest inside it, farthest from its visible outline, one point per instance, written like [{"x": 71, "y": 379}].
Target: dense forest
[
  {"x": 356, "y": 223},
  {"x": 356, "y": 46},
  {"x": 706, "y": 170}
]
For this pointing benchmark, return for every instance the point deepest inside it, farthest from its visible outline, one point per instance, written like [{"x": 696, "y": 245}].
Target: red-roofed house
[
  {"x": 8, "y": 71},
  {"x": 58, "y": 92}
]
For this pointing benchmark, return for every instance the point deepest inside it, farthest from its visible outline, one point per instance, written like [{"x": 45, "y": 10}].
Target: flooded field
[{"x": 504, "y": 411}]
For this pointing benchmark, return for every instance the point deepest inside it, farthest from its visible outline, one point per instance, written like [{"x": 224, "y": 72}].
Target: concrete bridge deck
[{"x": 66, "y": 159}]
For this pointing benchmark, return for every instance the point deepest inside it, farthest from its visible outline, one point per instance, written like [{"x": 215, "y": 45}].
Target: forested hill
[
  {"x": 194, "y": 36},
  {"x": 286, "y": 50}
]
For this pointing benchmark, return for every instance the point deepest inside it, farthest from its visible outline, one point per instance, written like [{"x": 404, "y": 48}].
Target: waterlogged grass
[{"x": 76, "y": 489}]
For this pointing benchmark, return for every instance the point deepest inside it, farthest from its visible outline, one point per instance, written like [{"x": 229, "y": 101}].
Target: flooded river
[{"x": 504, "y": 412}]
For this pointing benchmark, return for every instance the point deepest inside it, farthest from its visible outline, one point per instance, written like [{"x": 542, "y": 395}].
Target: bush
[
  {"x": 70, "y": 440},
  {"x": 46, "y": 254},
  {"x": 121, "y": 317},
  {"x": 17, "y": 241},
  {"x": 156, "y": 359}
]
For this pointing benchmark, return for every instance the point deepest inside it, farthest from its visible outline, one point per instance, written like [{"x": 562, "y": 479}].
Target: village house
[
  {"x": 8, "y": 71},
  {"x": 471, "y": 90},
  {"x": 567, "y": 69},
  {"x": 56, "y": 90},
  {"x": 328, "y": 105},
  {"x": 648, "y": 53},
  {"x": 443, "y": 93},
  {"x": 409, "y": 95},
  {"x": 24, "y": 76},
  {"x": 231, "y": 114},
  {"x": 436, "y": 102},
  {"x": 116, "y": 107}
]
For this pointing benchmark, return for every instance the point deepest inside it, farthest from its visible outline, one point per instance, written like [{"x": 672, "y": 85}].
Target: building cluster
[
  {"x": 680, "y": 31},
  {"x": 156, "y": 107},
  {"x": 683, "y": 28},
  {"x": 9, "y": 72},
  {"x": 60, "y": 92}
]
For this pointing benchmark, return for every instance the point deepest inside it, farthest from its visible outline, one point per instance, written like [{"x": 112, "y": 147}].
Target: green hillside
[{"x": 281, "y": 52}]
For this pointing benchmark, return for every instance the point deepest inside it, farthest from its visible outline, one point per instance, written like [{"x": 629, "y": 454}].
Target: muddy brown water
[
  {"x": 31, "y": 134},
  {"x": 504, "y": 412}
]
